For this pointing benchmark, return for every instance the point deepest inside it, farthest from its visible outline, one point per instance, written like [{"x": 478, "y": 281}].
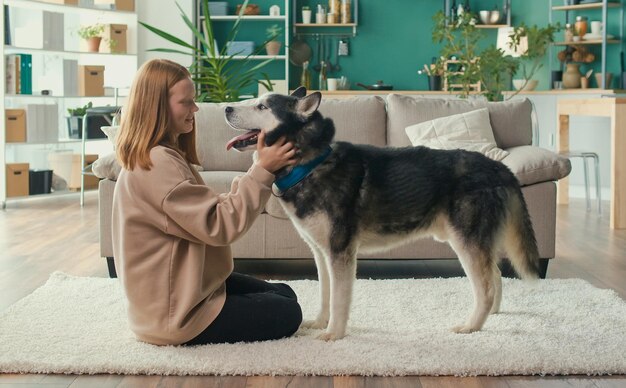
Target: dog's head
[{"x": 275, "y": 114}]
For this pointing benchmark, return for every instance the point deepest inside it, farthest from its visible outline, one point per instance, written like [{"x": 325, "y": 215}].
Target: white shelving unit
[
  {"x": 119, "y": 70},
  {"x": 282, "y": 18}
]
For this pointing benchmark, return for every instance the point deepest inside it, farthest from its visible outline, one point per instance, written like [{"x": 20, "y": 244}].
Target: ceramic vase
[{"x": 571, "y": 76}]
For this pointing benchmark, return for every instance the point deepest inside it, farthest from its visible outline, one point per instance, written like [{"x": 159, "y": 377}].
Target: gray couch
[{"x": 372, "y": 120}]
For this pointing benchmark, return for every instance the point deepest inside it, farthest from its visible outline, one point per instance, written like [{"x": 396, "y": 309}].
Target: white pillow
[
  {"x": 111, "y": 133},
  {"x": 470, "y": 131}
]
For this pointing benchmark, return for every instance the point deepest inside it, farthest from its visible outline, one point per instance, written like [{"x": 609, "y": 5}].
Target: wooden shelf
[
  {"x": 325, "y": 25},
  {"x": 245, "y": 17},
  {"x": 486, "y": 26},
  {"x": 587, "y": 42},
  {"x": 584, "y": 6},
  {"x": 259, "y": 57}
]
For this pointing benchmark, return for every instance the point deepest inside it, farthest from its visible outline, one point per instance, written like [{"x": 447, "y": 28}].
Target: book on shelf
[
  {"x": 26, "y": 73},
  {"x": 12, "y": 73},
  {"x": 7, "y": 26}
]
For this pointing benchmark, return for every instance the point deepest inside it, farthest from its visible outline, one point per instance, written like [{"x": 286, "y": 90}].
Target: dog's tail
[{"x": 520, "y": 243}]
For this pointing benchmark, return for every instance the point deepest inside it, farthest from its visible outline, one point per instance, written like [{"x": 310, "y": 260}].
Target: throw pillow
[
  {"x": 111, "y": 133},
  {"x": 470, "y": 131},
  {"x": 107, "y": 167}
]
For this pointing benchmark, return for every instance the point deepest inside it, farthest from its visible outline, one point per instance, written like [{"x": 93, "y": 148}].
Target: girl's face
[{"x": 182, "y": 106}]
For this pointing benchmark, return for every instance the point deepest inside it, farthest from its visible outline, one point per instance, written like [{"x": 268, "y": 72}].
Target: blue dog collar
[{"x": 298, "y": 173}]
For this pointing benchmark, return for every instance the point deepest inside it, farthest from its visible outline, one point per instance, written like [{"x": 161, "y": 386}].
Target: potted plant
[
  {"x": 75, "y": 120},
  {"x": 218, "y": 77},
  {"x": 273, "y": 45},
  {"x": 490, "y": 67},
  {"x": 434, "y": 72},
  {"x": 536, "y": 45},
  {"x": 93, "y": 35}
]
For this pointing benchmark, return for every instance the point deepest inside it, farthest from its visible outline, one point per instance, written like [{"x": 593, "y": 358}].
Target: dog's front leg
[
  {"x": 342, "y": 275},
  {"x": 321, "y": 322}
]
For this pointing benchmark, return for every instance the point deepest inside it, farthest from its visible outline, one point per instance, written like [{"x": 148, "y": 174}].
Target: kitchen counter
[{"x": 351, "y": 93}]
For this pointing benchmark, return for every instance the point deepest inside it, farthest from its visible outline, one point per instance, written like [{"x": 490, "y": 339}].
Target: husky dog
[{"x": 346, "y": 198}]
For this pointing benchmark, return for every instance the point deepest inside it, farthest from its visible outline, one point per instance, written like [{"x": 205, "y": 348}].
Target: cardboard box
[
  {"x": 114, "y": 39},
  {"x": 15, "y": 125},
  {"x": 17, "y": 179},
  {"x": 90, "y": 81},
  {"x": 67, "y": 2},
  {"x": 118, "y": 5},
  {"x": 67, "y": 166}
]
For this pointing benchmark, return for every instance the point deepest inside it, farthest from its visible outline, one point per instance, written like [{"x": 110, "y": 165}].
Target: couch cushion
[
  {"x": 212, "y": 134},
  {"x": 510, "y": 120},
  {"x": 470, "y": 131},
  {"x": 360, "y": 120},
  {"x": 534, "y": 164}
]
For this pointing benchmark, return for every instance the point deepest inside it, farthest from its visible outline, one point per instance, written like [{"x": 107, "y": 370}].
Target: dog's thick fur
[{"x": 364, "y": 198}]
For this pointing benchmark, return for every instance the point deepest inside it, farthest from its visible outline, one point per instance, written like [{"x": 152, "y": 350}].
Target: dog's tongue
[{"x": 245, "y": 136}]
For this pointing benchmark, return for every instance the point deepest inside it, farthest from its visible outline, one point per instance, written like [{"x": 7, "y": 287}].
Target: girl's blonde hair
[{"x": 146, "y": 116}]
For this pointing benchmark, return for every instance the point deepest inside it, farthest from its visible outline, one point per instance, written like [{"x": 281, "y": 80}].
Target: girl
[{"x": 172, "y": 233}]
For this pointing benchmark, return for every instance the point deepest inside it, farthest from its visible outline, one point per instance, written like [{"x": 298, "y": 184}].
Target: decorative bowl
[
  {"x": 531, "y": 85},
  {"x": 490, "y": 17}
]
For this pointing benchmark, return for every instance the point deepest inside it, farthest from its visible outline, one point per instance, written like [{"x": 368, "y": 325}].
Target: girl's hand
[{"x": 276, "y": 156}]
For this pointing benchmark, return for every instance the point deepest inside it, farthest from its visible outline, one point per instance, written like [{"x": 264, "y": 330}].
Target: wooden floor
[{"x": 38, "y": 237}]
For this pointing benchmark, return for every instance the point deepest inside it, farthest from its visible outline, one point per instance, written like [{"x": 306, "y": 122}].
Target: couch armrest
[
  {"x": 105, "y": 205},
  {"x": 532, "y": 164}
]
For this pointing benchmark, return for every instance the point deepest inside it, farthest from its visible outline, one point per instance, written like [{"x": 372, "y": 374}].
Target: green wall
[{"x": 394, "y": 40}]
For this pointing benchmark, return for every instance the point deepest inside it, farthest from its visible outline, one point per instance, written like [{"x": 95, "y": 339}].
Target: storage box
[
  {"x": 17, "y": 179},
  {"x": 218, "y": 8},
  {"x": 239, "y": 48},
  {"x": 119, "y": 5},
  {"x": 39, "y": 182},
  {"x": 15, "y": 125},
  {"x": 94, "y": 124},
  {"x": 90, "y": 81},
  {"x": 114, "y": 39},
  {"x": 67, "y": 166}
]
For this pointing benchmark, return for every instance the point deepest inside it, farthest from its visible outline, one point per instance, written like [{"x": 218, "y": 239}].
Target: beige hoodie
[{"x": 171, "y": 241}]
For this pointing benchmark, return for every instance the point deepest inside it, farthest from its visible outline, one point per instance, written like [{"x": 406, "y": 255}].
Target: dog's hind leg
[
  {"x": 497, "y": 285},
  {"x": 342, "y": 275},
  {"x": 479, "y": 267},
  {"x": 321, "y": 322}
]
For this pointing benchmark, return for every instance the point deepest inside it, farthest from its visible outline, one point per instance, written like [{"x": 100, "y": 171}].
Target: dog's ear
[
  {"x": 309, "y": 104},
  {"x": 300, "y": 92}
]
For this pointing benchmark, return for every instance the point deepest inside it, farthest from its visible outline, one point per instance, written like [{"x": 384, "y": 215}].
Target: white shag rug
[{"x": 397, "y": 327}]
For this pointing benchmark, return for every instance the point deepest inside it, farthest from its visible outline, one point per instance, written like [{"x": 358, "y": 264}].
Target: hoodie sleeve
[{"x": 195, "y": 212}]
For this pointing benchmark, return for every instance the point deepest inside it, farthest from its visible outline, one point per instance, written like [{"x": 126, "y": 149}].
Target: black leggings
[{"x": 255, "y": 310}]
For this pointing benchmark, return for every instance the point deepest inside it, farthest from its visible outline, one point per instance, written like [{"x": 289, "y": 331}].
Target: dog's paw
[
  {"x": 328, "y": 336},
  {"x": 315, "y": 324},
  {"x": 463, "y": 329}
]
